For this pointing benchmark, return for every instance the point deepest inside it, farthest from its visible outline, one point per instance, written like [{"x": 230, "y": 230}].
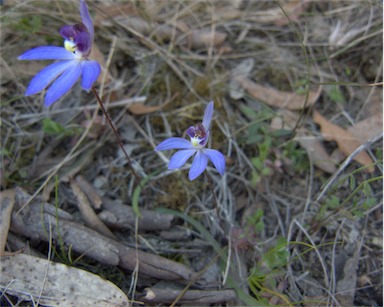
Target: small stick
[{"x": 116, "y": 133}]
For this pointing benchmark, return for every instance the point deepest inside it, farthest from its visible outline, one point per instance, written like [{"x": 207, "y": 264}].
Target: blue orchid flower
[
  {"x": 199, "y": 135},
  {"x": 73, "y": 61}
]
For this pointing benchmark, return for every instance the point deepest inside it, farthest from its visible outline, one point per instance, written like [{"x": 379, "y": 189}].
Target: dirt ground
[{"x": 297, "y": 217}]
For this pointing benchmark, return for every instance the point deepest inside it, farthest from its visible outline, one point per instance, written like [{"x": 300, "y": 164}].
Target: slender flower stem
[
  {"x": 94, "y": 91},
  {"x": 216, "y": 203}
]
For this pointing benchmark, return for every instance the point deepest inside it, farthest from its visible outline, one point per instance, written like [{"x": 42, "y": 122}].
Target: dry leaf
[
  {"x": 206, "y": 38},
  {"x": 184, "y": 36},
  {"x": 285, "y": 119},
  {"x": 337, "y": 156},
  {"x": 277, "y": 15},
  {"x": 317, "y": 153},
  {"x": 139, "y": 108},
  {"x": 241, "y": 69},
  {"x": 314, "y": 148},
  {"x": 374, "y": 102},
  {"x": 276, "y": 98},
  {"x": 345, "y": 140},
  {"x": 367, "y": 128},
  {"x": 55, "y": 284}
]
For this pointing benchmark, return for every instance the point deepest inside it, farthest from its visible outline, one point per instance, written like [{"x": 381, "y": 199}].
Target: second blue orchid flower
[
  {"x": 199, "y": 135},
  {"x": 73, "y": 61}
]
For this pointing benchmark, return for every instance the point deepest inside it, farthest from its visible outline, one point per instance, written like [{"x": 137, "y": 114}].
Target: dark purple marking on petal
[
  {"x": 83, "y": 42},
  {"x": 70, "y": 32},
  {"x": 197, "y": 131},
  {"x": 79, "y": 34},
  {"x": 204, "y": 140}
]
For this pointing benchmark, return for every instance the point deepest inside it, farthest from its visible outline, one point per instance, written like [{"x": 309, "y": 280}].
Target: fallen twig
[
  {"x": 120, "y": 216},
  {"x": 87, "y": 212},
  {"x": 33, "y": 222},
  {"x": 193, "y": 297}
]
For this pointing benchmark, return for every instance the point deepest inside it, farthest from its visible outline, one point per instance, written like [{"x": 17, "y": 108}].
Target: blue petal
[
  {"x": 199, "y": 164},
  {"x": 46, "y": 76},
  {"x": 180, "y": 157},
  {"x": 174, "y": 143},
  {"x": 217, "y": 159},
  {"x": 86, "y": 18},
  {"x": 47, "y": 53},
  {"x": 62, "y": 84},
  {"x": 208, "y": 116},
  {"x": 91, "y": 71}
]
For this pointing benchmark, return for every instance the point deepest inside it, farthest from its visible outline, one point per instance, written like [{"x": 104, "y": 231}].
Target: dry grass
[{"x": 157, "y": 52}]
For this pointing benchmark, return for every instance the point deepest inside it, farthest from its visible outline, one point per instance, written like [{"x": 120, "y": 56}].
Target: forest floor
[{"x": 297, "y": 217}]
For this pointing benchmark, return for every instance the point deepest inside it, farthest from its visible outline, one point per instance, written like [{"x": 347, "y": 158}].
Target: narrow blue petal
[
  {"x": 174, "y": 143},
  {"x": 47, "y": 53},
  {"x": 91, "y": 71},
  {"x": 208, "y": 116},
  {"x": 217, "y": 159},
  {"x": 180, "y": 157},
  {"x": 46, "y": 76},
  {"x": 86, "y": 18},
  {"x": 199, "y": 164},
  {"x": 62, "y": 84}
]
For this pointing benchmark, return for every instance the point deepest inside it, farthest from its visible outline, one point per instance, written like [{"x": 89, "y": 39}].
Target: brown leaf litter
[
  {"x": 314, "y": 147},
  {"x": 345, "y": 140},
  {"x": 276, "y": 98},
  {"x": 179, "y": 32}
]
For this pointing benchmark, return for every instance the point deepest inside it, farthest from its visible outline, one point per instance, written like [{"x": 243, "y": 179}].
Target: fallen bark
[
  {"x": 120, "y": 216},
  {"x": 34, "y": 221},
  {"x": 90, "y": 191},
  {"x": 90, "y": 217}
]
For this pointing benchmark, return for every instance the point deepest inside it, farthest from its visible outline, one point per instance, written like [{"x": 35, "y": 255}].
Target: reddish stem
[{"x": 116, "y": 133}]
